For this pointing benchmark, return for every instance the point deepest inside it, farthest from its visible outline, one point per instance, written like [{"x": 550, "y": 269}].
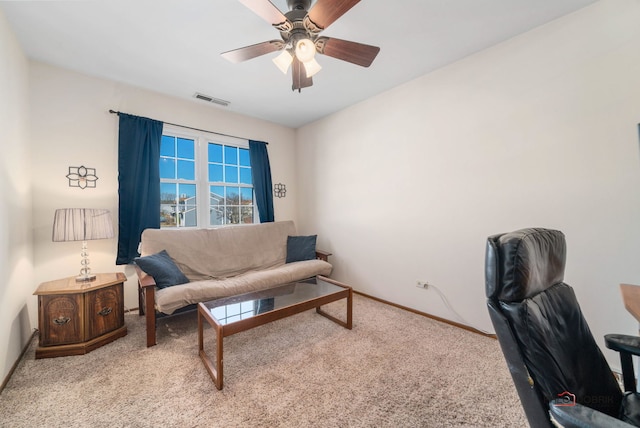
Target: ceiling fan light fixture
[
  {"x": 312, "y": 67},
  {"x": 283, "y": 61},
  {"x": 299, "y": 33},
  {"x": 305, "y": 50}
]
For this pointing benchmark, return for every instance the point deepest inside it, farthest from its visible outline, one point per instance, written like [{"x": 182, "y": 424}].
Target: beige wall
[
  {"x": 71, "y": 126},
  {"x": 541, "y": 130},
  {"x": 17, "y": 305}
]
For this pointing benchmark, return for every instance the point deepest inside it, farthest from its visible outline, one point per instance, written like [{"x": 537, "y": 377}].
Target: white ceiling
[{"x": 174, "y": 46}]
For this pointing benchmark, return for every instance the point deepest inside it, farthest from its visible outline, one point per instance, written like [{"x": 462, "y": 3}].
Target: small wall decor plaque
[
  {"x": 279, "y": 190},
  {"x": 82, "y": 177}
]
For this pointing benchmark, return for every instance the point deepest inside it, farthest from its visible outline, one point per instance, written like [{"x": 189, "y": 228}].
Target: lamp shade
[{"x": 82, "y": 224}]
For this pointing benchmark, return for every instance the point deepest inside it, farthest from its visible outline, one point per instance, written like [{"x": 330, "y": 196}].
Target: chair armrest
[
  {"x": 322, "y": 255},
  {"x": 626, "y": 346},
  {"x": 579, "y": 416},
  {"x": 144, "y": 279},
  {"x": 623, "y": 343}
]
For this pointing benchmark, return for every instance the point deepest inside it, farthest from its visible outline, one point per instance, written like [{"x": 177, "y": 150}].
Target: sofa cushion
[
  {"x": 162, "y": 268},
  {"x": 300, "y": 248},
  {"x": 171, "y": 299}
]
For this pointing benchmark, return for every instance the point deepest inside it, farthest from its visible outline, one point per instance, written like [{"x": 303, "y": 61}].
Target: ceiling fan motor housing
[
  {"x": 299, "y": 4},
  {"x": 299, "y": 27}
]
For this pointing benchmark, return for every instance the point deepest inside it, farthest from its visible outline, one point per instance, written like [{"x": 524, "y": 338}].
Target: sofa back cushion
[{"x": 222, "y": 252}]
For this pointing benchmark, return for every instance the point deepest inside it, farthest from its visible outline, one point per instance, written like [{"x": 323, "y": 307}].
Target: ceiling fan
[{"x": 300, "y": 29}]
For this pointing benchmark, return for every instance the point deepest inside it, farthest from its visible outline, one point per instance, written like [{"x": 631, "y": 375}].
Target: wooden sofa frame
[{"x": 147, "y": 300}]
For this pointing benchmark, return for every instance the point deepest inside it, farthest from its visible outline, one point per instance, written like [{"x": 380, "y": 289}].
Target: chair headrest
[{"x": 523, "y": 263}]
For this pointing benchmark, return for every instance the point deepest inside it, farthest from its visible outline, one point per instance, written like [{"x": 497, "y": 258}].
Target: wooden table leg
[
  {"x": 349, "y": 309},
  {"x": 215, "y": 371},
  {"x": 346, "y": 324},
  {"x": 219, "y": 362},
  {"x": 200, "y": 333}
]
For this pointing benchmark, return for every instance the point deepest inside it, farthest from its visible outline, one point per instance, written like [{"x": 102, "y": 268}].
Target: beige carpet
[{"x": 394, "y": 369}]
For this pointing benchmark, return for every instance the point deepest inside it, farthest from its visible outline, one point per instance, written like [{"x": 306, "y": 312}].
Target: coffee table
[{"x": 234, "y": 314}]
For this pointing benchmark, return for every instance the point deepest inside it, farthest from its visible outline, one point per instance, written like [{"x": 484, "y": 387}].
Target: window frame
[{"x": 201, "y": 141}]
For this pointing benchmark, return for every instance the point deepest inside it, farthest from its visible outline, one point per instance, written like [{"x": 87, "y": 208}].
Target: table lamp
[{"x": 82, "y": 224}]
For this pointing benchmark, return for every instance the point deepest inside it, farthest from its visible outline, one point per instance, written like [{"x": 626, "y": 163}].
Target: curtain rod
[{"x": 190, "y": 127}]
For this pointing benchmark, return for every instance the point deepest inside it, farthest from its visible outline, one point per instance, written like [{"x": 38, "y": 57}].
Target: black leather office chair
[{"x": 556, "y": 365}]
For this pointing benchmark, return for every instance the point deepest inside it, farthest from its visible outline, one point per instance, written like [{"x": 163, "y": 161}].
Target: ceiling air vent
[{"x": 209, "y": 99}]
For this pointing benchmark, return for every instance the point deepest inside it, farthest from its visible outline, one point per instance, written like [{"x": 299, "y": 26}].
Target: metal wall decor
[
  {"x": 82, "y": 177},
  {"x": 279, "y": 190}
]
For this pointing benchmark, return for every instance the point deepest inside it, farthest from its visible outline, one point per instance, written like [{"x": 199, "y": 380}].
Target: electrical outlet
[{"x": 422, "y": 284}]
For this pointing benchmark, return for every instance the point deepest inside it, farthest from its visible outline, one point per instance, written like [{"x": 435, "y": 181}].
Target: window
[
  {"x": 178, "y": 200},
  {"x": 205, "y": 180},
  {"x": 230, "y": 186}
]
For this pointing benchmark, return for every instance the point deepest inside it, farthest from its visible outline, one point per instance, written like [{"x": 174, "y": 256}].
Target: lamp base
[{"x": 85, "y": 272}]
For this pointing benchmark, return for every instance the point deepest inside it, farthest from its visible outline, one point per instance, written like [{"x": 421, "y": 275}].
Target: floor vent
[{"x": 209, "y": 99}]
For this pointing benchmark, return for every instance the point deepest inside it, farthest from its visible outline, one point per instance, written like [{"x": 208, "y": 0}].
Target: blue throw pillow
[
  {"x": 162, "y": 268},
  {"x": 301, "y": 248}
]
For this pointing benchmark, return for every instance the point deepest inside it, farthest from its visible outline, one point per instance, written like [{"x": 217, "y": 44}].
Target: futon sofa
[{"x": 178, "y": 268}]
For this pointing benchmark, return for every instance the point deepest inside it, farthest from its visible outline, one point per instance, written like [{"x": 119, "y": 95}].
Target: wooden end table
[
  {"x": 75, "y": 318},
  {"x": 234, "y": 314}
]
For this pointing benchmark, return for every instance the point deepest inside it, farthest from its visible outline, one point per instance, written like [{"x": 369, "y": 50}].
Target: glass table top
[{"x": 232, "y": 309}]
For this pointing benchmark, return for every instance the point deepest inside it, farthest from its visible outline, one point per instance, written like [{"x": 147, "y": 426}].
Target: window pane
[
  {"x": 167, "y": 204},
  {"x": 187, "y": 212},
  {"x": 189, "y": 217},
  {"x": 185, "y": 148},
  {"x": 217, "y": 193},
  {"x": 186, "y": 170},
  {"x": 233, "y": 215},
  {"x": 233, "y": 196},
  {"x": 246, "y": 196},
  {"x": 215, "y": 173},
  {"x": 167, "y": 216},
  {"x": 216, "y": 217},
  {"x": 231, "y": 155},
  {"x": 244, "y": 157},
  {"x": 246, "y": 214},
  {"x": 168, "y": 146},
  {"x": 167, "y": 168},
  {"x": 216, "y": 209},
  {"x": 231, "y": 174},
  {"x": 167, "y": 193},
  {"x": 215, "y": 153},
  {"x": 245, "y": 175},
  {"x": 187, "y": 192}
]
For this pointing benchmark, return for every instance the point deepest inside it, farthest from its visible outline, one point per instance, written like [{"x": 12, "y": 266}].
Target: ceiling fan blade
[
  {"x": 300, "y": 79},
  {"x": 248, "y": 52},
  {"x": 267, "y": 11},
  {"x": 325, "y": 12},
  {"x": 355, "y": 53}
]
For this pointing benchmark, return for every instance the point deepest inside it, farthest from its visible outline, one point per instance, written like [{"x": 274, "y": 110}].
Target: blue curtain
[
  {"x": 261, "y": 174},
  {"x": 138, "y": 182}
]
